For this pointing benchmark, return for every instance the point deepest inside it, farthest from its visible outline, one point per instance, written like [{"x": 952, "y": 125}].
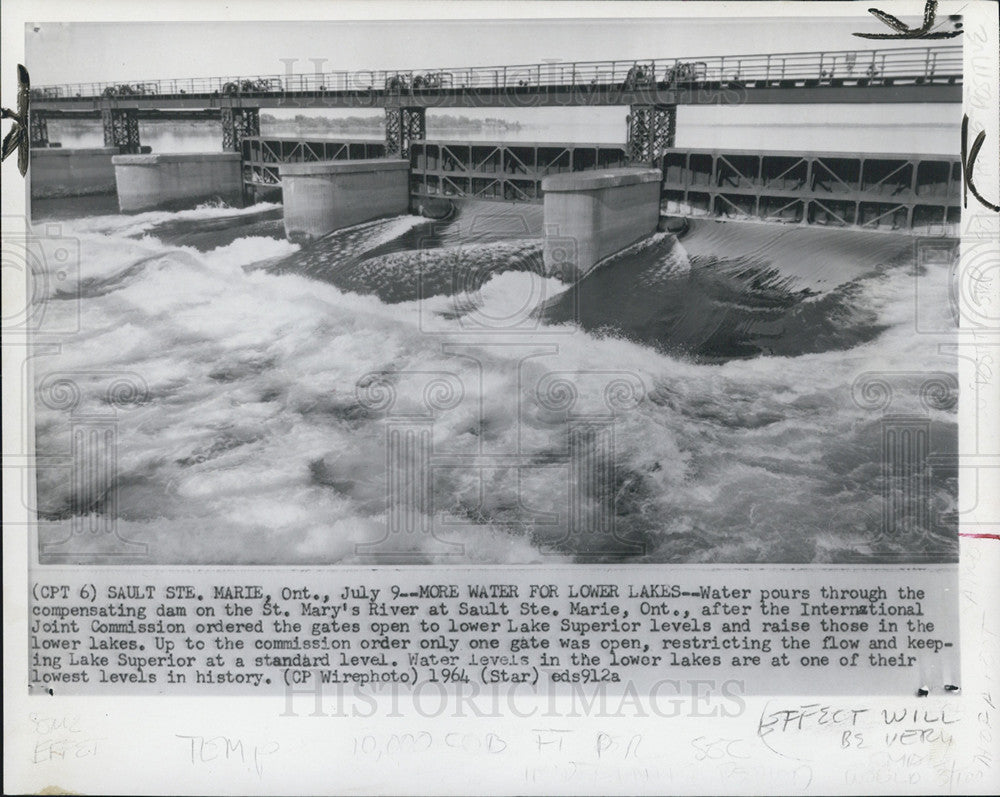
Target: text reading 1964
[{"x": 259, "y": 635}]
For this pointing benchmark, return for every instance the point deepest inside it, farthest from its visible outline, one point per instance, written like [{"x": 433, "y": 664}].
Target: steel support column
[
  {"x": 237, "y": 124},
  {"x": 651, "y": 131},
  {"x": 38, "y": 125},
  {"x": 402, "y": 127},
  {"x": 121, "y": 129}
]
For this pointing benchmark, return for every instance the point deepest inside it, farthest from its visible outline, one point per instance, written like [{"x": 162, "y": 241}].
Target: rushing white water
[{"x": 715, "y": 374}]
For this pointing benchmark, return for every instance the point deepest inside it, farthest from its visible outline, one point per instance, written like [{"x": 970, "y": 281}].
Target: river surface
[
  {"x": 923, "y": 129},
  {"x": 688, "y": 401}
]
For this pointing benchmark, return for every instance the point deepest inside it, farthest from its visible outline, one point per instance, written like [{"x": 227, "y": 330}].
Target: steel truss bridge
[
  {"x": 912, "y": 74},
  {"x": 883, "y": 191},
  {"x": 869, "y": 191},
  {"x": 651, "y": 88}
]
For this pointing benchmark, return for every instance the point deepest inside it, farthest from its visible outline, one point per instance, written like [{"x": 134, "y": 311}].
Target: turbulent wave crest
[{"x": 410, "y": 390}]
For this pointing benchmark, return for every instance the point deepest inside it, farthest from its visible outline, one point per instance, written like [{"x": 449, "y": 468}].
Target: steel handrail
[{"x": 917, "y": 63}]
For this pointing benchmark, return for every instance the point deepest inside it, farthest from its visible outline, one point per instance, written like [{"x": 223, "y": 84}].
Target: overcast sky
[{"x": 85, "y": 52}]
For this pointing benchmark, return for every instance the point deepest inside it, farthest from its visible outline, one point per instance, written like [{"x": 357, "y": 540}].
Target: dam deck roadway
[{"x": 897, "y": 75}]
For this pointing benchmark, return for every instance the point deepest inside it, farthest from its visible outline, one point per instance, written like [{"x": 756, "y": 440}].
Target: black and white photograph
[
  {"x": 535, "y": 398},
  {"x": 464, "y": 295}
]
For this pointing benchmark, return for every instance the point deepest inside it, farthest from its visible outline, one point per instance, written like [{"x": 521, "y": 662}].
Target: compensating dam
[
  {"x": 886, "y": 191},
  {"x": 570, "y": 354}
]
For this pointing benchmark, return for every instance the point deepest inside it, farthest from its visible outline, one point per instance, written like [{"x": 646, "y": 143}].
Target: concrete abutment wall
[{"x": 57, "y": 172}]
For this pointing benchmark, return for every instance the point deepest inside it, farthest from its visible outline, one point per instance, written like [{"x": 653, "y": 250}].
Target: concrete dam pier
[
  {"x": 325, "y": 196},
  {"x": 588, "y": 216},
  {"x": 592, "y": 215},
  {"x": 596, "y": 202},
  {"x": 148, "y": 182}
]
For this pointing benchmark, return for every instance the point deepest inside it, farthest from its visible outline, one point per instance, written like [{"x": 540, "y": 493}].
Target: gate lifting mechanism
[
  {"x": 121, "y": 129},
  {"x": 651, "y": 131},
  {"x": 237, "y": 124},
  {"x": 38, "y": 125},
  {"x": 403, "y": 126}
]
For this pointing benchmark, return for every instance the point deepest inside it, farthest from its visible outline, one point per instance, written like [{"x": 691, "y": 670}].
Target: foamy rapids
[{"x": 714, "y": 376}]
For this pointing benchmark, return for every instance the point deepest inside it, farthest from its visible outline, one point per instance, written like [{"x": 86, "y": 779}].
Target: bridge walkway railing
[{"x": 896, "y": 66}]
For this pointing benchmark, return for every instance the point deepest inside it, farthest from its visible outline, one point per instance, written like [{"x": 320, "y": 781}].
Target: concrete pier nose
[
  {"x": 147, "y": 182},
  {"x": 323, "y": 196},
  {"x": 591, "y": 215}
]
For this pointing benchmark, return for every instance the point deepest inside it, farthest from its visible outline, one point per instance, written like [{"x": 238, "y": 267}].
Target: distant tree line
[{"x": 378, "y": 122}]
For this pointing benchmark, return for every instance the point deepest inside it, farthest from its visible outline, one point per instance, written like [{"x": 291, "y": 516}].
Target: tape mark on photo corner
[
  {"x": 17, "y": 139},
  {"x": 904, "y": 31},
  {"x": 969, "y": 155}
]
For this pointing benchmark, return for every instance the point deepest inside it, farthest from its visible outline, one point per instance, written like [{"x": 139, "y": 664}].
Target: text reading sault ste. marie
[{"x": 204, "y": 635}]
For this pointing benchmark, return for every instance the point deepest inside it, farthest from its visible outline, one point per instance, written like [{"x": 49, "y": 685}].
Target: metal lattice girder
[
  {"x": 39, "y": 127},
  {"x": 237, "y": 124},
  {"x": 121, "y": 129},
  {"x": 403, "y": 126},
  {"x": 501, "y": 171},
  {"x": 651, "y": 132}
]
